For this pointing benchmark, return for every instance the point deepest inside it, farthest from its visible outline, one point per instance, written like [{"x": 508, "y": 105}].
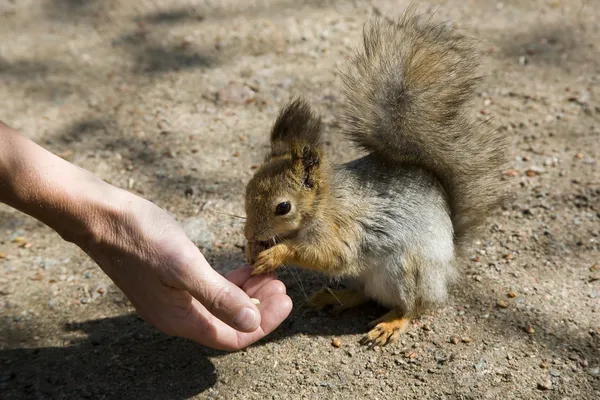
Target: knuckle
[{"x": 219, "y": 301}]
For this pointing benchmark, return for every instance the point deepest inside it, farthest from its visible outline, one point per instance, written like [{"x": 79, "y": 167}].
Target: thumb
[{"x": 220, "y": 297}]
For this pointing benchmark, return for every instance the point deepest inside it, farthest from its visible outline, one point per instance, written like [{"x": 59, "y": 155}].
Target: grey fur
[
  {"x": 407, "y": 91},
  {"x": 405, "y": 257}
]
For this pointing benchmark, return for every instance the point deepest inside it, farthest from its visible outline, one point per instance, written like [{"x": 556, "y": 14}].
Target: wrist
[{"x": 68, "y": 199}]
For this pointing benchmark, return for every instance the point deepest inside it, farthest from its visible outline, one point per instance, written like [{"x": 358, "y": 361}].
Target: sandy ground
[{"x": 173, "y": 100}]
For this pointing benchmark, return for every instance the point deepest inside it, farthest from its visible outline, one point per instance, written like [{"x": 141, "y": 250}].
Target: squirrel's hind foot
[
  {"x": 386, "y": 330},
  {"x": 340, "y": 300}
]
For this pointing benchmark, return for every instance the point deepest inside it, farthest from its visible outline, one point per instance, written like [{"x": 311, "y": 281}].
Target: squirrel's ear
[
  {"x": 298, "y": 132},
  {"x": 295, "y": 128}
]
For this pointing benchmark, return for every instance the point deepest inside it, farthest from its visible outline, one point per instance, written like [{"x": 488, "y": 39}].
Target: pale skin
[{"x": 142, "y": 249}]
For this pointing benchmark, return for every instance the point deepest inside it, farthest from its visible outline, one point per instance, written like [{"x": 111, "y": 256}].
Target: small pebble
[
  {"x": 466, "y": 339},
  {"x": 502, "y": 304},
  {"x": 512, "y": 294},
  {"x": 546, "y": 384},
  {"x": 255, "y": 301},
  {"x": 529, "y": 329},
  {"x": 511, "y": 173},
  {"x": 336, "y": 342}
]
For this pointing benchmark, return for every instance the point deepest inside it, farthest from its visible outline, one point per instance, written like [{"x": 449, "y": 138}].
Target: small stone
[
  {"x": 502, "y": 304},
  {"x": 546, "y": 384},
  {"x": 52, "y": 303},
  {"x": 336, "y": 342},
  {"x": 534, "y": 171},
  {"x": 426, "y": 328},
  {"x": 480, "y": 366},
  {"x": 20, "y": 240},
  {"x": 37, "y": 277},
  {"x": 529, "y": 329},
  {"x": 511, "y": 173},
  {"x": 595, "y": 371},
  {"x": 592, "y": 268},
  {"x": 579, "y": 156},
  {"x": 454, "y": 340},
  {"x": 512, "y": 294},
  {"x": 554, "y": 373},
  {"x": 236, "y": 94},
  {"x": 466, "y": 339},
  {"x": 255, "y": 301}
]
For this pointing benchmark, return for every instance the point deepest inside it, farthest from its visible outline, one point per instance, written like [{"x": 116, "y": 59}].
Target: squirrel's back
[{"x": 407, "y": 91}]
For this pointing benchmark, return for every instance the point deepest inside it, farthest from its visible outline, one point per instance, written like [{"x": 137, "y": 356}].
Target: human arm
[{"x": 141, "y": 248}]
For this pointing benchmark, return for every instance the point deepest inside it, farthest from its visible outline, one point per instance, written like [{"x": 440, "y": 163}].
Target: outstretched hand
[{"x": 172, "y": 286}]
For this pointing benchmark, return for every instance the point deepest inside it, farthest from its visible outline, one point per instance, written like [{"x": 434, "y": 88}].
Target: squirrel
[{"x": 396, "y": 220}]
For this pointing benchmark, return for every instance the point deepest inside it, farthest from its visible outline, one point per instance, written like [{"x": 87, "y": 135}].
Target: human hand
[{"x": 172, "y": 286}]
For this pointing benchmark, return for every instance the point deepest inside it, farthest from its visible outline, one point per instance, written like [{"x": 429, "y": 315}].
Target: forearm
[{"x": 61, "y": 195}]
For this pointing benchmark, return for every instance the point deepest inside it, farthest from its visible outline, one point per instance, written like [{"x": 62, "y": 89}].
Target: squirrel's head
[{"x": 284, "y": 189}]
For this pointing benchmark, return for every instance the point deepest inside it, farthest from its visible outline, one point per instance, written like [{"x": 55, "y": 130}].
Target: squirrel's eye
[{"x": 283, "y": 208}]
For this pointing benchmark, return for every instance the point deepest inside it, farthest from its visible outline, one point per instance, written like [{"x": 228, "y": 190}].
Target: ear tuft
[{"x": 296, "y": 128}]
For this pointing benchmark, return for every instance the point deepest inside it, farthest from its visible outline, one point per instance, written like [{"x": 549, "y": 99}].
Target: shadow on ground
[{"x": 121, "y": 358}]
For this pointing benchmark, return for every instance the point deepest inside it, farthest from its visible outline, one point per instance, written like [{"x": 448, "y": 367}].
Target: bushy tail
[{"x": 407, "y": 89}]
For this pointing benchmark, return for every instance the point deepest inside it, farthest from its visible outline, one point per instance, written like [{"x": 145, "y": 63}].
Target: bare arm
[{"x": 141, "y": 248}]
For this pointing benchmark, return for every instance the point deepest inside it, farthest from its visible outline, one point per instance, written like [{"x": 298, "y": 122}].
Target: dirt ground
[{"x": 173, "y": 100}]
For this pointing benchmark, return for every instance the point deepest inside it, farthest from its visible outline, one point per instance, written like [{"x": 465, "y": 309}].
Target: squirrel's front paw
[{"x": 270, "y": 259}]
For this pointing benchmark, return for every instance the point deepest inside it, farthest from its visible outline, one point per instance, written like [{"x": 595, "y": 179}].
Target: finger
[
  {"x": 274, "y": 311},
  {"x": 219, "y": 296},
  {"x": 202, "y": 327},
  {"x": 262, "y": 290},
  {"x": 242, "y": 275}
]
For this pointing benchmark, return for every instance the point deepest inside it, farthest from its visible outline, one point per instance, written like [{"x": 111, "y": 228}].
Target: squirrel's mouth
[{"x": 266, "y": 243}]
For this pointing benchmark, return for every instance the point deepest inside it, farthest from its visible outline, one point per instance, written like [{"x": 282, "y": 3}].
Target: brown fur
[{"x": 395, "y": 219}]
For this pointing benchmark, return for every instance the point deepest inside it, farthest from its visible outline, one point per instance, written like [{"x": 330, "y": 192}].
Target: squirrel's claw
[
  {"x": 270, "y": 259},
  {"x": 386, "y": 329}
]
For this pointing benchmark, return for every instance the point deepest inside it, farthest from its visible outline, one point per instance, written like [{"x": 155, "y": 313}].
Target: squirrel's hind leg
[
  {"x": 341, "y": 300},
  {"x": 387, "y": 329}
]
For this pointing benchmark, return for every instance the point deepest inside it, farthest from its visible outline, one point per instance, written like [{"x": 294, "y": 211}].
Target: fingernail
[{"x": 245, "y": 320}]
